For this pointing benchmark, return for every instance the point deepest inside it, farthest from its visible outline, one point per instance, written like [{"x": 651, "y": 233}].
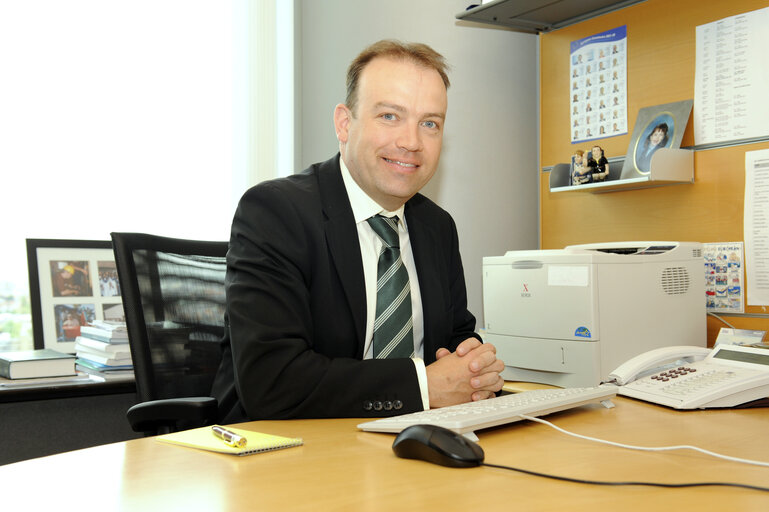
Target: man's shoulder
[
  {"x": 304, "y": 183},
  {"x": 423, "y": 216},
  {"x": 423, "y": 207}
]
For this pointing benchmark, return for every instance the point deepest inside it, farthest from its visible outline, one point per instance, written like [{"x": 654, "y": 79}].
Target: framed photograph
[
  {"x": 71, "y": 284},
  {"x": 660, "y": 126}
]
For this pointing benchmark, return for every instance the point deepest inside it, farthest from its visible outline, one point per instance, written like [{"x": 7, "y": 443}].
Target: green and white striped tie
[{"x": 393, "y": 325}]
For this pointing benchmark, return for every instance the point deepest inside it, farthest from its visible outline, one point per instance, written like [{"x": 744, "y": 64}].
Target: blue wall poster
[{"x": 598, "y": 85}]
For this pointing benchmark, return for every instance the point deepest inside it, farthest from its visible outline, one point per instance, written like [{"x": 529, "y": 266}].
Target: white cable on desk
[{"x": 645, "y": 448}]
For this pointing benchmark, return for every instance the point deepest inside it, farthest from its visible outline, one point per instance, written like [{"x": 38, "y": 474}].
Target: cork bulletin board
[{"x": 661, "y": 42}]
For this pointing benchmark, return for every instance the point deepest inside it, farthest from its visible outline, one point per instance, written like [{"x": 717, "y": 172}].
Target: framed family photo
[
  {"x": 656, "y": 127},
  {"x": 71, "y": 284}
]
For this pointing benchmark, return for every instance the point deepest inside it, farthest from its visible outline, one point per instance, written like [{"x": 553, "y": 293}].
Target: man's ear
[{"x": 342, "y": 116}]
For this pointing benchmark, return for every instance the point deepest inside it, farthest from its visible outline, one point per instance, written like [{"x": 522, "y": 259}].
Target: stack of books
[{"x": 102, "y": 347}]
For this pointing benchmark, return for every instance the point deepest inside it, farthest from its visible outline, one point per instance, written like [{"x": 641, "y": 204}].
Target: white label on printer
[{"x": 561, "y": 275}]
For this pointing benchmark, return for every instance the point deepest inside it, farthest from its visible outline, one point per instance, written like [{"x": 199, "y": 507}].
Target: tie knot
[{"x": 386, "y": 228}]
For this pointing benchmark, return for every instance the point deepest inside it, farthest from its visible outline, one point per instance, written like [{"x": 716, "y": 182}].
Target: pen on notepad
[{"x": 229, "y": 438}]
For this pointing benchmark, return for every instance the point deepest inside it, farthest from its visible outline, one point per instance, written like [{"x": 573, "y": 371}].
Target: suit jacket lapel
[{"x": 342, "y": 237}]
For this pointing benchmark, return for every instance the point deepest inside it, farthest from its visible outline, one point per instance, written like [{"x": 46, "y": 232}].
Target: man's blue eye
[
  {"x": 431, "y": 124},
  {"x": 389, "y": 117}
]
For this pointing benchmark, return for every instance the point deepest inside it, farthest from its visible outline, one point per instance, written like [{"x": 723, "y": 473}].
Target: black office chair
[{"x": 173, "y": 296}]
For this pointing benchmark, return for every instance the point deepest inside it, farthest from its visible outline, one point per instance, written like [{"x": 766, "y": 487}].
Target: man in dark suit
[{"x": 302, "y": 268}]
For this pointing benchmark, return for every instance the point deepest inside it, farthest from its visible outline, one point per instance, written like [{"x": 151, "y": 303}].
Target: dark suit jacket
[{"x": 296, "y": 303}]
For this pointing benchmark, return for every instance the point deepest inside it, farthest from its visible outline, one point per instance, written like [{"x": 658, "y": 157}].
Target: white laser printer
[{"x": 568, "y": 317}]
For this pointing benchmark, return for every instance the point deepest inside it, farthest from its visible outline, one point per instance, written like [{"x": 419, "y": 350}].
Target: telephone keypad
[
  {"x": 673, "y": 374},
  {"x": 689, "y": 384}
]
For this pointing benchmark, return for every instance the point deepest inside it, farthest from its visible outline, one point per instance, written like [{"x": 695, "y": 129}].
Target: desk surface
[{"x": 342, "y": 468}]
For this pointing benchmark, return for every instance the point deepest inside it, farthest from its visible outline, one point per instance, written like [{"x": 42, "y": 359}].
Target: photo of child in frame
[
  {"x": 656, "y": 127},
  {"x": 658, "y": 134}
]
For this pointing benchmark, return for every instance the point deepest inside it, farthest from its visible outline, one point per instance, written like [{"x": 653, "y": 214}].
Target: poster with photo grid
[{"x": 598, "y": 85}]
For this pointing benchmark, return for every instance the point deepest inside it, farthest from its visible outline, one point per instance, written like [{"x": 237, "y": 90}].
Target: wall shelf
[
  {"x": 668, "y": 167},
  {"x": 536, "y": 16}
]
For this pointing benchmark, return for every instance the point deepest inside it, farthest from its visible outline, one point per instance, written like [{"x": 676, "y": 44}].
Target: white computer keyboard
[{"x": 503, "y": 409}]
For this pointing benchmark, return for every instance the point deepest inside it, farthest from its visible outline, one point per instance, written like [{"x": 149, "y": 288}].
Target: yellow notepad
[{"x": 204, "y": 439}]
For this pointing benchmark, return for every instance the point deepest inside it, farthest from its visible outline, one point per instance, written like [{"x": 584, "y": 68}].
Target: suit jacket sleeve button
[
  {"x": 367, "y": 405},
  {"x": 397, "y": 404},
  {"x": 388, "y": 405},
  {"x": 377, "y": 405}
]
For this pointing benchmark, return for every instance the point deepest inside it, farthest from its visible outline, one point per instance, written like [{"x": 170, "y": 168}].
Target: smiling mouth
[{"x": 402, "y": 164}]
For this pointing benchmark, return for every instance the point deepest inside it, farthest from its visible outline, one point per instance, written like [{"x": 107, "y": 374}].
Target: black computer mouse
[{"x": 438, "y": 445}]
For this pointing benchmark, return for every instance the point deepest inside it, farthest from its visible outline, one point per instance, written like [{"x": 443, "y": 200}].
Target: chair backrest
[{"x": 174, "y": 301}]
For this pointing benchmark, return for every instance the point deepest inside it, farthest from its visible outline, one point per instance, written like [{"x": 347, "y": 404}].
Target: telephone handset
[
  {"x": 726, "y": 376},
  {"x": 629, "y": 371}
]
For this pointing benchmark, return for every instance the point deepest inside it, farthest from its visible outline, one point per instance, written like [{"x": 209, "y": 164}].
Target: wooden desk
[{"x": 342, "y": 468}]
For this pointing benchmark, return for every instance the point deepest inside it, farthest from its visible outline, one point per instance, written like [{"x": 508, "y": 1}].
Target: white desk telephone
[{"x": 725, "y": 376}]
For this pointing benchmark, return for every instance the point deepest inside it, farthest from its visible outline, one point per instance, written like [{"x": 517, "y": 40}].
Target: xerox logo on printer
[
  {"x": 582, "y": 332},
  {"x": 525, "y": 292}
]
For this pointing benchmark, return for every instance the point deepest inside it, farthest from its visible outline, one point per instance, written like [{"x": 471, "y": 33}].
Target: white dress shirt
[{"x": 364, "y": 207}]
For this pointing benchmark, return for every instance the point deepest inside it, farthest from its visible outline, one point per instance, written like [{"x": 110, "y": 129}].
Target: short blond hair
[{"x": 417, "y": 53}]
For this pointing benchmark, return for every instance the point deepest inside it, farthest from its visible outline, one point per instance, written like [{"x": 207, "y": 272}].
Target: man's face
[{"x": 391, "y": 143}]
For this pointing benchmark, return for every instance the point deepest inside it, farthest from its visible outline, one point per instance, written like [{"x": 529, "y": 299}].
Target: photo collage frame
[{"x": 72, "y": 283}]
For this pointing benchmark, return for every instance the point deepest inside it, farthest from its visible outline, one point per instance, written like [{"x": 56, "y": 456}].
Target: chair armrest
[{"x": 163, "y": 416}]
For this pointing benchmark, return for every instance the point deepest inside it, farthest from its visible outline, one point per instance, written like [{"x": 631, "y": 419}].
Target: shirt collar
[{"x": 363, "y": 206}]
